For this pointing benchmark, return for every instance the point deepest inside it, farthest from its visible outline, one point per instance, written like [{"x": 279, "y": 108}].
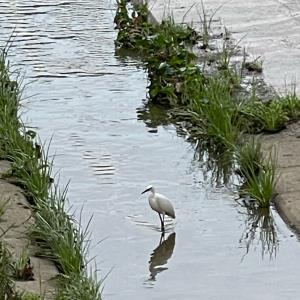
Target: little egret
[{"x": 161, "y": 204}]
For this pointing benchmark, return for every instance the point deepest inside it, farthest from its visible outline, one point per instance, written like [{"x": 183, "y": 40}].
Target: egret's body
[{"x": 161, "y": 204}]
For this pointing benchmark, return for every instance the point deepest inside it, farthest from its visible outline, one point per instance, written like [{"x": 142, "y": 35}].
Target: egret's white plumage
[{"x": 161, "y": 204}]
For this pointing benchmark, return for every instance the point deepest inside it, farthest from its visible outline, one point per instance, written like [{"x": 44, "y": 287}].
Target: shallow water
[
  {"x": 89, "y": 101},
  {"x": 268, "y": 29}
]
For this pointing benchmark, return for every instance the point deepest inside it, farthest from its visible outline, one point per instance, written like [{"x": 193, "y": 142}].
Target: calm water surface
[{"x": 89, "y": 101}]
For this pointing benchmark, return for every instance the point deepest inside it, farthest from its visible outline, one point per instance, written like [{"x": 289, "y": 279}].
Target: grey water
[{"x": 90, "y": 103}]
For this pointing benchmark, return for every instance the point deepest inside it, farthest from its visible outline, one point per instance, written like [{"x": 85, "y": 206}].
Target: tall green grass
[
  {"x": 259, "y": 172},
  {"x": 61, "y": 238}
]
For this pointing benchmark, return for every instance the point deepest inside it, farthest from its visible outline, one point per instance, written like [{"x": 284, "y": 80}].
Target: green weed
[
  {"x": 253, "y": 66},
  {"x": 56, "y": 233},
  {"x": 216, "y": 113},
  {"x": 268, "y": 117},
  {"x": 80, "y": 286},
  {"x": 261, "y": 185},
  {"x": 291, "y": 105},
  {"x": 6, "y": 271},
  {"x": 23, "y": 267},
  {"x": 249, "y": 157}
]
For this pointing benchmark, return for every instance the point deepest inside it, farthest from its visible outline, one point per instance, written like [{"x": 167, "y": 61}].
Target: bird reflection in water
[{"x": 160, "y": 255}]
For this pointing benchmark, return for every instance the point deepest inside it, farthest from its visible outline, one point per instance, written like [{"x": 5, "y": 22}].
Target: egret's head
[{"x": 149, "y": 188}]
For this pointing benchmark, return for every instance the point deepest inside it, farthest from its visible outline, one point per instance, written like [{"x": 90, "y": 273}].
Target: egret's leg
[
  {"x": 162, "y": 237},
  {"x": 162, "y": 223},
  {"x": 160, "y": 218}
]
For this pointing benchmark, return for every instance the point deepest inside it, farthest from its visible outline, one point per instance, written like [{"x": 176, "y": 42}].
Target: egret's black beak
[{"x": 145, "y": 191}]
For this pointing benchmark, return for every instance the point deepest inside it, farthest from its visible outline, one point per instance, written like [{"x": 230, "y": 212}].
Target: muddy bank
[{"x": 15, "y": 224}]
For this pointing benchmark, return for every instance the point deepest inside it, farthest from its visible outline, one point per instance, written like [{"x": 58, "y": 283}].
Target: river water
[{"x": 91, "y": 102}]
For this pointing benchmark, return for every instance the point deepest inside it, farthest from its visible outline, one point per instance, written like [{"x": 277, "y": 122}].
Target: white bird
[{"x": 161, "y": 204}]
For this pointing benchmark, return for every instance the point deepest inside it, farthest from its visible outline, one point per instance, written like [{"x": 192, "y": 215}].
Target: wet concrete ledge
[
  {"x": 287, "y": 145},
  {"x": 269, "y": 29}
]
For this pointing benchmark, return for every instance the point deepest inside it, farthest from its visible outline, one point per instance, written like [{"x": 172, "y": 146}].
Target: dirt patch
[{"x": 15, "y": 223}]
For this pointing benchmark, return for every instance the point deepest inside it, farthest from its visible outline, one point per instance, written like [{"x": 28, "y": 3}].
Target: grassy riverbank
[
  {"x": 200, "y": 85},
  {"x": 59, "y": 237}
]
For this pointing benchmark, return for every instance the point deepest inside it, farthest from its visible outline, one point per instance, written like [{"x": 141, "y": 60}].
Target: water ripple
[{"x": 65, "y": 31}]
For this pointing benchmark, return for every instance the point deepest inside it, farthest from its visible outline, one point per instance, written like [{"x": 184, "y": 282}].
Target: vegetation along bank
[
  {"x": 43, "y": 249},
  {"x": 217, "y": 100}
]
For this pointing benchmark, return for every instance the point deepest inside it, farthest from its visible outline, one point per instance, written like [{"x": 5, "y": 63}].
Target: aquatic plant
[
  {"x": 265, "y": 116},
  {"x": 22, "y": 266},
  {"x": 290, "y": 104},
  {"x": 79, "y": 286},
  {"x": 220, "y": 113},
  {"x": 206, "y": 20},
  {"x": 260, "y": 174},
  {"x": 249, "y": 157}
]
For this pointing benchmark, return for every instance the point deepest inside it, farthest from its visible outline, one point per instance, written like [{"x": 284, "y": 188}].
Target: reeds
[{"x": 258, "y": 171}]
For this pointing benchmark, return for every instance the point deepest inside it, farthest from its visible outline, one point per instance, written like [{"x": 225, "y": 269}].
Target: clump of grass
[
  {"x": 6, "y": 271},
  {"x": 268, "y": 117},
  {"x": 249, "y": 157},
  {"x": 291, "y": 105},
  {"x": 7, "y": 276},
  {"x": 259, "y": 173},
  {"x": 30, "y": 296},
  {"x": 57, "y": 235},
  {"x": 221, "y": 114},
  {"x": 22, "y": 266},
  {"x": 33, "y": 172},
  {"x": 254, "y": 66},
  {"x": 214, "y": 111},
  {"x": 261, "y": 187},
  {"x": 79, "y": 286}
]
